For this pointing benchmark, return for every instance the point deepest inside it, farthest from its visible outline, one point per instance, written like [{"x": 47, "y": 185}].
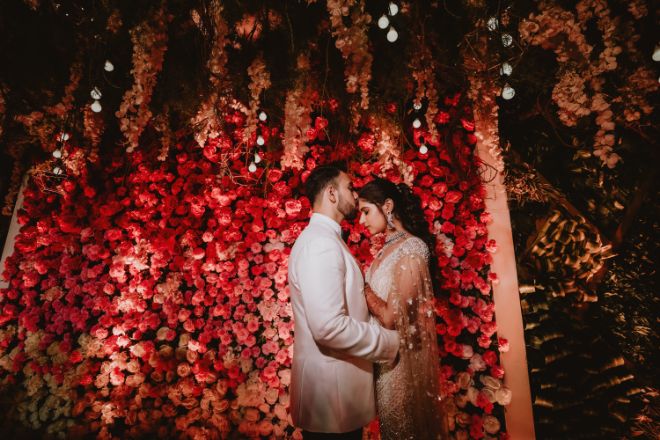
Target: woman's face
[{"x": 372, "y": 217}]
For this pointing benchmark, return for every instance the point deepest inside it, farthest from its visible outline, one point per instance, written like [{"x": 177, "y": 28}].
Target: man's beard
[{"x": 347, "y": 210}]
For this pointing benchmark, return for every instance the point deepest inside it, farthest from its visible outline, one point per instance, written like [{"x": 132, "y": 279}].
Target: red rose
[
  {"x": 274, "y": 175},
  {"x": 453, "y": 196},
  {"x": 441, "y": 118},
  {"x": 468, "y": 125},
  {"x": 497, "y": 371}
]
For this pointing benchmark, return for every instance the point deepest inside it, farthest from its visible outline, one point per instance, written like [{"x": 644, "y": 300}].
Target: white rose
[
  {"x": 503, "y": 396},
  {"x": 472, "y": 394},
  {"x": 461, "y": 400},
  {"x": 463, "y": 380},
  {"x": 490, "y": 382},
  {"x": 477, "y": 363}
]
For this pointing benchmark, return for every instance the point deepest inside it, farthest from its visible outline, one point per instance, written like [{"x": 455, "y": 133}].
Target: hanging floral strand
[
  {"x": 353, "y": 43},
  {"x": 483, "y": 91},
  {"x": 259, "y": 81},
  {"x": 162, "y": 125},
  {"x": 43, "y": 125},
  {"x": 114, "y": 22},
  {"x": 93, "y": 126},
  {"x": 149, "y": 45},
  {"x": 579, "y": 90},
  {"x": 297, "y": 118},
  {"x": 387, "y": 136},
  {"x": 423, "y": 72},
  {"x": 207, "y": 122}
]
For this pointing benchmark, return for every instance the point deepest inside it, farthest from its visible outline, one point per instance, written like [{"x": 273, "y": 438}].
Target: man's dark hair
[{"x": 320, "y": 178}]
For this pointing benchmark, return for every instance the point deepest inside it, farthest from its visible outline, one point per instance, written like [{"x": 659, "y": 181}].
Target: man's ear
[{"x": 332, "y": 193}]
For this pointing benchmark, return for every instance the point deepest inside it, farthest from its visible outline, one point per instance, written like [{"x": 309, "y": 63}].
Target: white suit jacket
[{"x": 332, "y": 387}]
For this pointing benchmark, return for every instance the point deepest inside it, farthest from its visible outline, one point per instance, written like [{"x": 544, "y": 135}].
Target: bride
[{"x": 400, "y": 293}]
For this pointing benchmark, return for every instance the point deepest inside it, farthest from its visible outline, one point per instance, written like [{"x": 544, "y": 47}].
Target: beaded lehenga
[{"x": 407, "y": 394}]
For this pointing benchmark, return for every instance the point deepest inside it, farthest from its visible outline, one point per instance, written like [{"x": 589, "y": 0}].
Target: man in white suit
[{"x": 332, "y": 389}]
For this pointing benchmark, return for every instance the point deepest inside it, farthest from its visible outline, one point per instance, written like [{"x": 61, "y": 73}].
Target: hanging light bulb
[
  {"x": 257, "y": 158},
  {"x": 96, "y": 93},
  {"x": 506, "y": 69},
  {"x": 96, "y": 106},
  {"x": 108, "y": 67},
  {"x": 392, "y": 9},
  {"x": 417, "y": 123},
  {"x": 57, "y": 154},
  {"x": 656, "y": 53},
  {"x": 263, "y": 116},
  {"x": 507, "y": 40},
  {"x": 508, "y": 92},
  {"x": 260, "y": 140},
  {"x": 63, "y": 137},
  {"x": 423, "y": 149},
  {"x": 492, "y": 23},
  {"x": 252, "y": 167},
  {"x": 417, "y": 105},
  {"x": 392, "y": 35},
  {"x": 383, "y": 22},
  {"x": 57, "y": 171}
]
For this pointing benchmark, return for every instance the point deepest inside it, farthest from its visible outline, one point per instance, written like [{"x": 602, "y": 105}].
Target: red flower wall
[{"x": 151, "y": 298}]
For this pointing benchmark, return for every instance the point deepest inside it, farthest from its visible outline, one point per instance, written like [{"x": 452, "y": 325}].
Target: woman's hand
[
  {"x": 378, "y": 307},
  {"x": 371, "y": 298}
]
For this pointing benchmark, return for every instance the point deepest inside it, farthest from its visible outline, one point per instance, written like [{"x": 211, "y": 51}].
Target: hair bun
[{"x": 404, "y": 189}]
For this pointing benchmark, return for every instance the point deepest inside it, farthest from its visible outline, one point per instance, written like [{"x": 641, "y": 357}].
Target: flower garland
[
  {"x": 149, "y": 40},
  {"x": 259, "y": 81},
  {"x": 207, "y": 122},
  {"x": 43, "y": 125},
  {"x": 14, "y": 181},
  {"x": 162, "y": 125},
  {"x": 386, "y": 138},
  {"x": 353, "y": 43},
  {"x": 570, "y": 96},
  {"x": 297, "y": 118},
  {"x": 579, "y": 90},
  {"x": 93, "y": 128},
  {"x": 638, "y": 8},
  {"x": 633, "y": 95},
  {"x": 423, "y": 71},
  {"x": 114, "y": 22},
  {"x": 483, "y": 92}
]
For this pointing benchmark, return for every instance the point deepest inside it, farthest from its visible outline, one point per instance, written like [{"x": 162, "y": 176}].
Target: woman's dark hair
[{"x": 408, "y": 209}]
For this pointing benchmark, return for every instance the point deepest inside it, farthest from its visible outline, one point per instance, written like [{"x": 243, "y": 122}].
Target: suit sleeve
[{"x": 321, "y": 275}]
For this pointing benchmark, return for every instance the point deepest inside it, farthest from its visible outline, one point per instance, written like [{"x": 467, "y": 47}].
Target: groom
[{"x": 332, "y": 389}]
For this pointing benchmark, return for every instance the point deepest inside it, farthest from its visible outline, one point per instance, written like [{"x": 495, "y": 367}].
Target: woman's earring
[{"x": 390, "y": 220}]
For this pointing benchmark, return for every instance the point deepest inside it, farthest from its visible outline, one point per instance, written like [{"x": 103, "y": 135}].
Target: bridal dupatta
[{"x": 409, "y": 405}]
